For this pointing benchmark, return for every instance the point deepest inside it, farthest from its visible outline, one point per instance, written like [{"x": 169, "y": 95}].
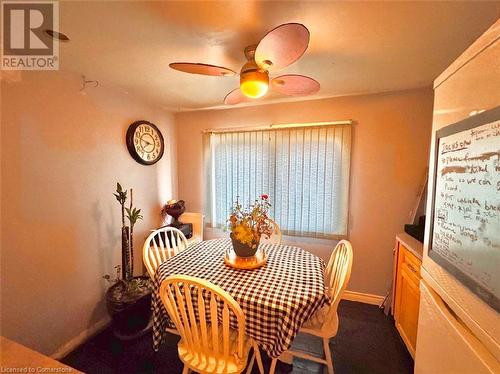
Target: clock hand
[{"x": 145, "y": 141}]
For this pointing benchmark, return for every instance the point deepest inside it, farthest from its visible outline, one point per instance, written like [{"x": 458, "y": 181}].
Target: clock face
[{"x": 145, "y": 142}]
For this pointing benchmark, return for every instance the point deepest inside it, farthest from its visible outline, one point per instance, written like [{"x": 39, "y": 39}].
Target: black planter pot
[
  {"x": 131, "y": 315},
  {"x": 243, "y": 250}
]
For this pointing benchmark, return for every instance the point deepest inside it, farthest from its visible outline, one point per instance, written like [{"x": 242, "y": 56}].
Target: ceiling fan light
[
  {"x": 254, "y": 84},
  {"x": 254, "y": 89}
]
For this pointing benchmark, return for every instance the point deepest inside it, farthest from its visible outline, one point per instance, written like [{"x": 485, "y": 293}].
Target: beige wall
[
  {"x": 62, "y": 154},
  {"x": 389, "y": 157}
]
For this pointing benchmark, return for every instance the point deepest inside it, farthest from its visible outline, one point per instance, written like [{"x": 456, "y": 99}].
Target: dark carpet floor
[{"x": 367, "y": 342}]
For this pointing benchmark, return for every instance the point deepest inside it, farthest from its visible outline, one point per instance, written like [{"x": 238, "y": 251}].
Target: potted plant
[
  {"x": 248, "y": 224},
  {"x": 128, "y": 300}
]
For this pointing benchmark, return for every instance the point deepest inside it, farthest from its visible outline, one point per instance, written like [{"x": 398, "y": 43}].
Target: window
[{"x": 305, "y": 172}]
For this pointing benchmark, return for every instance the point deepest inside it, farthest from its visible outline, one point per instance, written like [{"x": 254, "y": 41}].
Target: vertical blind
[{"x": 305, "y": 172}]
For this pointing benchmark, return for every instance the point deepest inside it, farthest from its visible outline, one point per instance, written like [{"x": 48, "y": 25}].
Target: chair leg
[
  {"x": 185, "y": 370},
  {"x": 259, "y": 358},
  {"x": 273, "y": 366},
  {"x": 328, "y": 355},
  {"x": 250, "y": 364}
]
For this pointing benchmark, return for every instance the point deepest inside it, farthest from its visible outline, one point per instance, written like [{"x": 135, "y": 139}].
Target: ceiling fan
[{"x": 279, "y": 48}]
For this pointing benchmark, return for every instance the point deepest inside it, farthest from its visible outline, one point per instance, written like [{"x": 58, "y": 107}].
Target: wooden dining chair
[
  {"x": 325, "y": 323},
  {"x": 160, "y": 245},
  {"x": 201, "y": 312},
  {"x": 275, "y": 237}
]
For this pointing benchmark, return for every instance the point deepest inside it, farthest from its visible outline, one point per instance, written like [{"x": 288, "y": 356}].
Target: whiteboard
[{"x": 465, "y": 226}]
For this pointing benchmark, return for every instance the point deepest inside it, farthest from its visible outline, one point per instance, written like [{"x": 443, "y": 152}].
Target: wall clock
[{"x": 145, "y": 142}]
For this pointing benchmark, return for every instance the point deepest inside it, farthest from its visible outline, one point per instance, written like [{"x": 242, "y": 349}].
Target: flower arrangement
[{"x": 249, "y": 224}]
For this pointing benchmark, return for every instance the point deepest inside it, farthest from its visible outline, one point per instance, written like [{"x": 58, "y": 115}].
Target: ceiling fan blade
[
  {"x": 282, "y": 46},
  {"x": 235, "y": 97},
  {"x": 204, "y": 69},
  {"x": 295, "y": 85}
]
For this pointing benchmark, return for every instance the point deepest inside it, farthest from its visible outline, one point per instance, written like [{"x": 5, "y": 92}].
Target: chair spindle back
[
  {"x": 201, "y": 330},
  {"x": 275, "y": 237},
  {"x": 160, "y": 245},
  {"x": 337, "y": 274}
]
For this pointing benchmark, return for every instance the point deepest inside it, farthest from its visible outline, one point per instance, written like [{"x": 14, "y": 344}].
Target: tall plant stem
[
  {"x": 131, "y": 240},
  {"x": 124, "y": 245},
  {"x": 125, "y": 253}
]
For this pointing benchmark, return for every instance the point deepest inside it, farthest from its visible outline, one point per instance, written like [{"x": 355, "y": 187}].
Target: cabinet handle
[{"x": 410, "y": 266}]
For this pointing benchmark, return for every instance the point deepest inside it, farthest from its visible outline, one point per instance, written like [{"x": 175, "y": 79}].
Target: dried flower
[{"x": 249, "y": 224}]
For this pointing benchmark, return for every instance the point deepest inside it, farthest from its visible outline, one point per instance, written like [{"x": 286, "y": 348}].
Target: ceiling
[{"x": 355, "y": 47}]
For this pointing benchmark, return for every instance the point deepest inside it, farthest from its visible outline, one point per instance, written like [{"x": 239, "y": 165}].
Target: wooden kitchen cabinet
[{"x": 406, "y": 290}]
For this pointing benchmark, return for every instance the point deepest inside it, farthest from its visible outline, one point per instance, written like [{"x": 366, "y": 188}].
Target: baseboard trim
[
  {"x": 88, "y": 333},
  {"x": 81, "y": 338},
  {"x": 363, "y": 297}
]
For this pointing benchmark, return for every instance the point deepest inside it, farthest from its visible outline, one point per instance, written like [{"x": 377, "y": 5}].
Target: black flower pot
[
  {"x": 131, "y": 313},
  {"x": 243, "y": 250}
]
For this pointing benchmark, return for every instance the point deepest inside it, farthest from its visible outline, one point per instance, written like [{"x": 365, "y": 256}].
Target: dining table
[{"x": 276, "y": 298}]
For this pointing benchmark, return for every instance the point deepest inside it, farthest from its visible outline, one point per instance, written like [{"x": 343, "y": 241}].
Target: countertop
[
  {"x": 413, "y": 245},
  {"x": 15, "y": 355}
]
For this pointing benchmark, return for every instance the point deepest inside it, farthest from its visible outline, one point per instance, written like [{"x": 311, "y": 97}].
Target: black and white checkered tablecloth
[{"x": 276, "y": 299}]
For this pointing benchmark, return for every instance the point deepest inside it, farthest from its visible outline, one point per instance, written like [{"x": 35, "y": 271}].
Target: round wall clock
[{"x": 145, "y": 142}]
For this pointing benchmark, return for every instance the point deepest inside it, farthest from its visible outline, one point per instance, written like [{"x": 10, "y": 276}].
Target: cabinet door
[
  {"x": 445, "y": 343},
  {"x": 407, "y": 304}
]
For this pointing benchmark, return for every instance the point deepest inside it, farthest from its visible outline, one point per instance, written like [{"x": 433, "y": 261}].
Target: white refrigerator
[{"x": 458, "y": 332}]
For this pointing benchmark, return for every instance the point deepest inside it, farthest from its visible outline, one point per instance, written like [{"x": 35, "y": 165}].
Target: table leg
[{"x": 273, "y": 366}]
